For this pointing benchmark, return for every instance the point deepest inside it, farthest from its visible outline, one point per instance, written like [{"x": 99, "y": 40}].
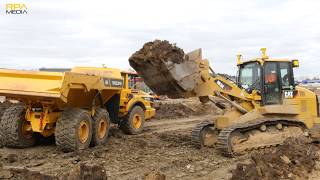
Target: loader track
[
  {"x": 226, "y": 147},
  {"x": 196, "y": 133}
]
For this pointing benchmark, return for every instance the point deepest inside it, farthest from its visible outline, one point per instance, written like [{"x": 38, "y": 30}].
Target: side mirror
[{"x": 295, "y": 63}]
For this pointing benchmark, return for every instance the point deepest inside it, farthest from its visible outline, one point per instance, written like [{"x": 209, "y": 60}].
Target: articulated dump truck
[
  {"x": 267, "y": 105},
  {"x": 76, "y": 107}
]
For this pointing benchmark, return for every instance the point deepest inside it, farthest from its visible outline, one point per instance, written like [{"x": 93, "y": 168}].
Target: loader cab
[
  {"x": 278, "y": 81},
  {"x": 272, "y": 79}
]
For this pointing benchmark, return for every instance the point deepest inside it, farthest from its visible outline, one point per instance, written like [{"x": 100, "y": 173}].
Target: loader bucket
[{"x": 167, "y": 70}]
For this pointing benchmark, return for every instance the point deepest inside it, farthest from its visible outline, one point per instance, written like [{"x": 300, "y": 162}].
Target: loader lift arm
[{"x": 190, "y": 77}]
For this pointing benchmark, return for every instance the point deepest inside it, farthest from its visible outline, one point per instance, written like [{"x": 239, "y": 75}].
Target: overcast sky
[{"x": 78, "y": 33}]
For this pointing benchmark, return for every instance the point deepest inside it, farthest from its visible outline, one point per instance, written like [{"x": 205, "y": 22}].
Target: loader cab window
[
  {"x": 271, "y": 83},
  {"x": 287, "y": 81},
  {"x": 250, "y": 77},
  {"x": 278, "y": 82}
]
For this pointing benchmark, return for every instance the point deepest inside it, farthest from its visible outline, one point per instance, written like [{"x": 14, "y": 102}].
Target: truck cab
[{"x": 136, "y": 106}]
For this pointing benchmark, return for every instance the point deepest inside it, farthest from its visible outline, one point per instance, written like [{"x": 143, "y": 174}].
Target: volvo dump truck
[
  {"x": 75, "y": 106},
  {"x": 267, "y": 105}
]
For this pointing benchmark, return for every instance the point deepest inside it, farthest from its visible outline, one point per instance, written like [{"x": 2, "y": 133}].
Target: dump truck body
[{"x": 60, "y": 89}]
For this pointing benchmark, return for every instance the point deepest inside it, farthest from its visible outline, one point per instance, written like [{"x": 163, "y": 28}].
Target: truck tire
[
  {"x": 3, "y": 108},
  {"x": 100, "y": 127},
  {"x": 15, "y": 130},
  {"x": 133, "y": 123},
  {"x": 73, "y": 130}
]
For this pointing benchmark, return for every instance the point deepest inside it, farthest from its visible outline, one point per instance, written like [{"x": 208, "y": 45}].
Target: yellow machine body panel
[{"x": 60, "y": 89}]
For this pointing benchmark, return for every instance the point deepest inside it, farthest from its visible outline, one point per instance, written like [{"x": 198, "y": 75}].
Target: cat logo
[
  {"x": 288, "y": 94},
  {"x": 16, "y": 8}
]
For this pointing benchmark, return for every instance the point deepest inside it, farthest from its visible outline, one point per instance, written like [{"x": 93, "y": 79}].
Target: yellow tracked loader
[
  {"x": 267, "y": 105},
  {"x": 76, "y": 107}
]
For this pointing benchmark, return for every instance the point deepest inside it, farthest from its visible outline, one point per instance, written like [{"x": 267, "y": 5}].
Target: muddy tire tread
[
  {"x": 125, "y": 125},
  {"x": 9, "y": 128},
  {"x": 66, "y": 125},
  {"x": 99, "y": 112}
]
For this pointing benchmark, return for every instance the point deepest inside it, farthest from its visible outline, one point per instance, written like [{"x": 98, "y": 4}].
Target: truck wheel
[
  {"x": 15, "y": 130},
  {"x": 100, "y": 127},
  {"x": 73, "y": 130},
  {"x": 133, "y": 123}
]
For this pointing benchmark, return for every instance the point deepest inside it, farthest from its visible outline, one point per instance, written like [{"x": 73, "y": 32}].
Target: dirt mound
[
  {"x": 184, "y": 108},
  {"x": 293, "y": 160},
  {"x": 173, "y": 111},
  {"x": 157, "y": 50}
]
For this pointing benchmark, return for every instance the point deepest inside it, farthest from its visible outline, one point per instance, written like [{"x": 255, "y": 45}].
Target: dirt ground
[
  {"x": 165, "y": 148},
  {"x": 163, "y": 151}
]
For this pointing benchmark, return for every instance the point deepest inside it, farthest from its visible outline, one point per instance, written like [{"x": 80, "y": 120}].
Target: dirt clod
[
  {"x": 92, "y": 172},
  {"x": 11, "y": 158},
  {"x": 293, "y": 160},
  {"x": 154, "y": 176},
  {"x": 158, "y": 50},
  {"x": 152, "y": 60}
]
